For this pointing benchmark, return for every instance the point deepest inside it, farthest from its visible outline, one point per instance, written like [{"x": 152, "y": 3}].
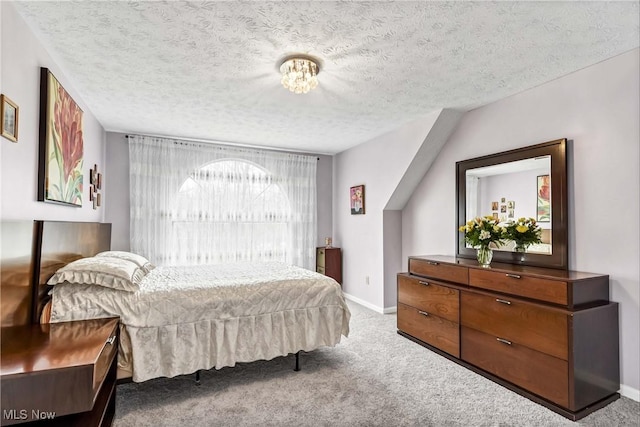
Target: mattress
[{"x": 183, "y": 319}]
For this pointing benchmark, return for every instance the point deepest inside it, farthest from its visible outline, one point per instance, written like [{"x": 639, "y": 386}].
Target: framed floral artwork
[
  {"x": 8, "y": 119},
  {"x": 61, "y": 144},
  {"x": 543, "y": 211},
  {"x": 357, "y": 200}
]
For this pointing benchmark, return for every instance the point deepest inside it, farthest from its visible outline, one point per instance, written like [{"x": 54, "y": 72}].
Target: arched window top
[{"x": 238, "y": 184}]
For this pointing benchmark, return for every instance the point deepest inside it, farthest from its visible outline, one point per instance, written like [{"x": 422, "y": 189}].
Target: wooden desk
[{"x": 59, "y": 374}]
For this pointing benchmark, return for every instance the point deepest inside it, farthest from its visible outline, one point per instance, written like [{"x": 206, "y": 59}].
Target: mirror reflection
[
  {"x": 510, "y": 191},
  {"x": 525, "y": 183}
]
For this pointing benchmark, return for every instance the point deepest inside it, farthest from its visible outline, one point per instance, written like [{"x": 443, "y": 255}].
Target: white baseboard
[
  {"x": 370, "y": 306},
  {"x": 630, "y": 392},
  {"x": 363, "y": 303}
]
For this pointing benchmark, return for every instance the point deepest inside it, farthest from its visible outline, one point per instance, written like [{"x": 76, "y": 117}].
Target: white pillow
[
  {"x": 109, "y": 272},
  {"x": 139, "y": 260}
]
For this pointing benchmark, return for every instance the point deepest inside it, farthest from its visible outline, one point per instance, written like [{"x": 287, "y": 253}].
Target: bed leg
[
  {"x": 198, "y": 377},
  {"x": 297, "y": 368}
]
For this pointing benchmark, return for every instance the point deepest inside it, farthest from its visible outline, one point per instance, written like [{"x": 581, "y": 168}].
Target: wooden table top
[
  {"x": 552, "y": 273},
  {"x": 34, "y": 348}
]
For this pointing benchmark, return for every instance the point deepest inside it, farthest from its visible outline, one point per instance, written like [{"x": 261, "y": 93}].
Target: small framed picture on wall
[
  {"x": 9, "y": 119},
  {"x": 543, "y": 211},
  {"x": 356, "y": 195}
]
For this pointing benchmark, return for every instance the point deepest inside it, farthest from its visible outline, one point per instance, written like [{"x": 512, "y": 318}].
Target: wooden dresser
[
  {"x": 550, "y": 335},
  {"x": 60, "y": 374},
  {"x": 329, "y": 262}
]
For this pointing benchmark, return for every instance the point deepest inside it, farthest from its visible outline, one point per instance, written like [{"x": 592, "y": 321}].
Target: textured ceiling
[{"x": 208, "y": 70}]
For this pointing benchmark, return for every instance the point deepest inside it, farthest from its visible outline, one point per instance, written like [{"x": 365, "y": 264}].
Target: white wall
[
  {"x": 1, "y": 38},
  {"x": 22, "y": 56},
  {"x": 117, "y": 194},
  {"x": 518, "y": 187},
  {"x": 380, "y": 165},
  {"x": 598, "y": 109},
  {"x": 325, "y": 197}
]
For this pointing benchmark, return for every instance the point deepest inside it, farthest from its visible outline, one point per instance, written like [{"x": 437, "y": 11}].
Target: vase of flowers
[
  {"x": 480, "y": 233},
  {"x": 524, "y": 232},
  {"x": 484, "y": 255}
]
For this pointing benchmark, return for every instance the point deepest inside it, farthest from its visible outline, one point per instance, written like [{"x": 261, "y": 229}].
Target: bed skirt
[{"x": 218, "y": 343}]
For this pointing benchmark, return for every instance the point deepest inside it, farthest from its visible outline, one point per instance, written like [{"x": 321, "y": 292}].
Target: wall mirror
[{"x": 528, "y": 182}]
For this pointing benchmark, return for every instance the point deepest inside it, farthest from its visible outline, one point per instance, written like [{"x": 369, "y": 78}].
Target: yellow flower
[
  {"x": 522, "y": 228},
  {"x": 497, "y": 228},
  {"x": 462, "y": 228},
  {"x": 522, "y": 219}
]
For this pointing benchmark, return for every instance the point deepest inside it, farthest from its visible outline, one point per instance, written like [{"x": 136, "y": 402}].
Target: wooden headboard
[
  {"x": 32, "y": 251},
  {"x": 15, "y": 271}
]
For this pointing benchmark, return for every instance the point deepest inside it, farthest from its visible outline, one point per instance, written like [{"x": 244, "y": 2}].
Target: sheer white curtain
[
  {"x": 198, "y": 203},
  {"x": 472, "y": 197}
]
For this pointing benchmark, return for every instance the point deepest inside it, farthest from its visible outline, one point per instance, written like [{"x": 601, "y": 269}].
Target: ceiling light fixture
[{"x": 299, "y": 74}]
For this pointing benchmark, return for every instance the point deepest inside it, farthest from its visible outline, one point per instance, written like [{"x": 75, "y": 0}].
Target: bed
[{"x": 180, "y": 320}]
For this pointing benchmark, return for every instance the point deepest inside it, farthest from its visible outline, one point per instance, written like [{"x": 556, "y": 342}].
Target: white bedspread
[{"x": 188, "y": 318}]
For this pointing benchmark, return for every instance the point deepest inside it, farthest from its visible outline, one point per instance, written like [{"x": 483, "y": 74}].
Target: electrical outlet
[{"x": 366, "y": 280}]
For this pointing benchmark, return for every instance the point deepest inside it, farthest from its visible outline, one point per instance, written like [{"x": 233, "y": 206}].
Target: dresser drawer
[
  {"x": 434, "y": 330},
  {"x": 541, "y": 374},
  {"x": 429, "y": 296},
  {"x": 539, "y": 328},
  {"x": 320, "y": 270},
  {"x": 437, "y": 270},
  {"x": 553, "y": 291}
]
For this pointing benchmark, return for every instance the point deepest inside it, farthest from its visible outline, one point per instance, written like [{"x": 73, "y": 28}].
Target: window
[
  {"x": 204, "y": 203},
  {"x": 231, "y": 210}
]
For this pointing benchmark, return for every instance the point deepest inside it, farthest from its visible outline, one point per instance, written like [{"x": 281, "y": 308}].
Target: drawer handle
[
  {"x": 513, "y": 276},
  {"x": 433, "y": 263},
  {"x": 424, "y": 283},
  {"x": 503, "y": 341},
  {"x": 111, "y": 340},
  {"x": 503, "y": 301},
  {"x": 424, "y": 313}
]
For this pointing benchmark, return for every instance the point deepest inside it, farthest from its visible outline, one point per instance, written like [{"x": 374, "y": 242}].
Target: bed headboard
[
  {"x": 15, "y": 271},
  {"x": 52, "y": 244}
]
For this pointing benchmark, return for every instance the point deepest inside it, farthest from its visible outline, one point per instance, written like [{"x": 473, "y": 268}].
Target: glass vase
[
  {"x": 484, "y": 255},
  {"x": 520, "y": 251}
]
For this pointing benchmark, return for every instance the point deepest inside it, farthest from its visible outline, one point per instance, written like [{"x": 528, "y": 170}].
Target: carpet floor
[{"x": 373, "y": 378}]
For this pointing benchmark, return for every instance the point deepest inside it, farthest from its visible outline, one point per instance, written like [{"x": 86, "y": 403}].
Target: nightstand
[
  {"x": 329, "y": 262},
  {"x": 59, "y": 374}
]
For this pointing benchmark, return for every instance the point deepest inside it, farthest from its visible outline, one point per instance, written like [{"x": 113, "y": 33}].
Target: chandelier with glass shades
[{"x": 299, "y": 74}]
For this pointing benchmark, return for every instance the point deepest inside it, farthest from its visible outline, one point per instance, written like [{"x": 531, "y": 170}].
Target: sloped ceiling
[{"x": 209, "y": 70}]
